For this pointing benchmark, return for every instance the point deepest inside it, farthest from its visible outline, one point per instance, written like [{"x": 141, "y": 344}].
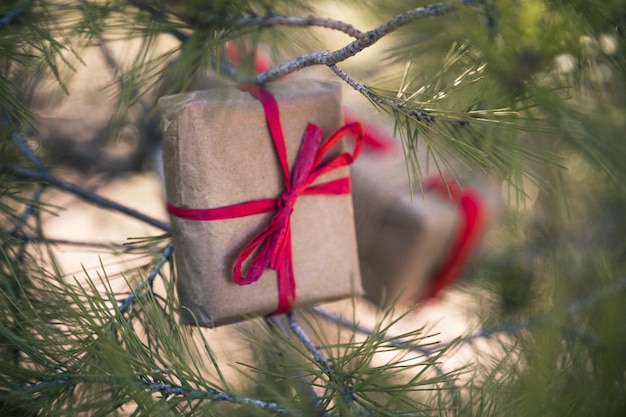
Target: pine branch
[
  {"x": 369, "y": 332},
  {"x": 31, "y": 209},
  {"x": 315, "y": 401},
  {"x": 575, "y": 307},
  {"x": 296, "y": 21},
  {"x": 168, "y": 390},
  {"x": 326, "y": 365},
  {"x": 45, "y": 177},
  {"x": 165, "y": 257},
  {"x": 123, "y": 248},
  {"x": 82, "y": 193},
  {"x": 147, "y": 6},
  {"x": 419, "y": 115},
  {"x": 27, "y": 151},
  {"x": 365, "y": 41}
]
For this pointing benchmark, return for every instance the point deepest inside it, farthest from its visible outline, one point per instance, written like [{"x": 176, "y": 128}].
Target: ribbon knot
[
  {"x": 287, "y": 201},
  {"x": 271, "y": 248}
]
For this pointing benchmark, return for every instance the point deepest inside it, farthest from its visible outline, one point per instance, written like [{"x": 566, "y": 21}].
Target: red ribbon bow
[{"x": 274, "y": 242}]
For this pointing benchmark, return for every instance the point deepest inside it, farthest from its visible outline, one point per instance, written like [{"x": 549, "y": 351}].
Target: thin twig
[
  {"x": 170, "y": 390},
  {"x": 363, "y": 89},
  {"x": 27, "y": 151},
  {"x": 28, "y": 211},
  {"x": 295, "y": 21},
  {"x": 153, "y": 385},
  {"x": 67, "y": 242},
  {"x": 316, "y": 404},
  {"x": 326, "y": 364},
  {"x": 366, "y": 331},
  {"x": 82, "y": 193},
  {"x": 149, "y": 282},
  {"x": 575, "y": 307},
  {"x": 366, "y": 40},
  {"x": 31, "y": 209},
  {"x": 508, "y": 328}
]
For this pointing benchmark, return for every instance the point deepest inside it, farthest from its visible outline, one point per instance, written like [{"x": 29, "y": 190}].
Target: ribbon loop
[{"x": 271, "y": 248}]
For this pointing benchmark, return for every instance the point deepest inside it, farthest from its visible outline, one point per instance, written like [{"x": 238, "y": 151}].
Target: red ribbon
[
  {"x": 272, "y": 246},
  {"x": 472, "y": 212}
]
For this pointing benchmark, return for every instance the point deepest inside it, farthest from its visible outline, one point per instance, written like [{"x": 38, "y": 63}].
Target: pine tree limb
[
  {"x": 168, "y": 390},
  {"x": 31, "y": 209},
  {"x": 165, "y": 257},
  {"x": 296, "y": 21},
  {"x": 366, "y": 331},
  {"x": 575, "y": 307},
  {"x": 316, "y": 404},
  {"x": 147, "y": 6},
  {"x": 123, "y": 248},
  {"x": 365, "y": 41},
  {"x": 420, "y": 115},
  {"x": 326, "y": 364},
  {"x": 82, "y": 193}
]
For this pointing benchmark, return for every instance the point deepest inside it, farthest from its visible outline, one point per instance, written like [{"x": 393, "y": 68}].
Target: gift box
[
  {"x": 414, "y": 243},
  {"x": 402, "y": 240},
  {"x": 218, "y": 152}
]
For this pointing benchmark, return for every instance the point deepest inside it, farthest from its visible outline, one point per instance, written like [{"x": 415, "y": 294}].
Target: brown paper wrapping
[
  {"x": 217, "y": 151},
  {"x": 401, "y": 240}
]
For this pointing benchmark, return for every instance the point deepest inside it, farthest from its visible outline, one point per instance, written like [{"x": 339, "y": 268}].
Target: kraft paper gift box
[
  {"x": 402, "y": 240},
  {"x": 218, "y": 152}
]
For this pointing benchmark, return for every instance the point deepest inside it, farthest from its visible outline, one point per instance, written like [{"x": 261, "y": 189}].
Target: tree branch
[
  {"x": 364, "y": 330},
  {"x": 124, "y": 248},
  {"x": 319, "y": 357},
  {"x": 316, "y": 404},
  {"x": 165, "y": 256},
  {"x": 294, "y": 21},
  {"x": 147, "y": 6},
  {"x": 31, "y": 209},
  {"x": 326, "y": 364},
  {"x": 366, "y": 40},
  {"x": 420, "y": 115},
  {"x": 170, "y": 390},
  {"x": 166, "y": 389},
  {"x": 82, "y": 193},
  {"x": 507, "y": 328}
]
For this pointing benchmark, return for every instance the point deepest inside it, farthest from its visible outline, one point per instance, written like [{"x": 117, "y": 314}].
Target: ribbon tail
[
  {"x": 472, "y": 212},
  {"x": 286, "y": 282},
  {"x": 261, "y": 260},
  {"x": 334, "y": 187}
]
